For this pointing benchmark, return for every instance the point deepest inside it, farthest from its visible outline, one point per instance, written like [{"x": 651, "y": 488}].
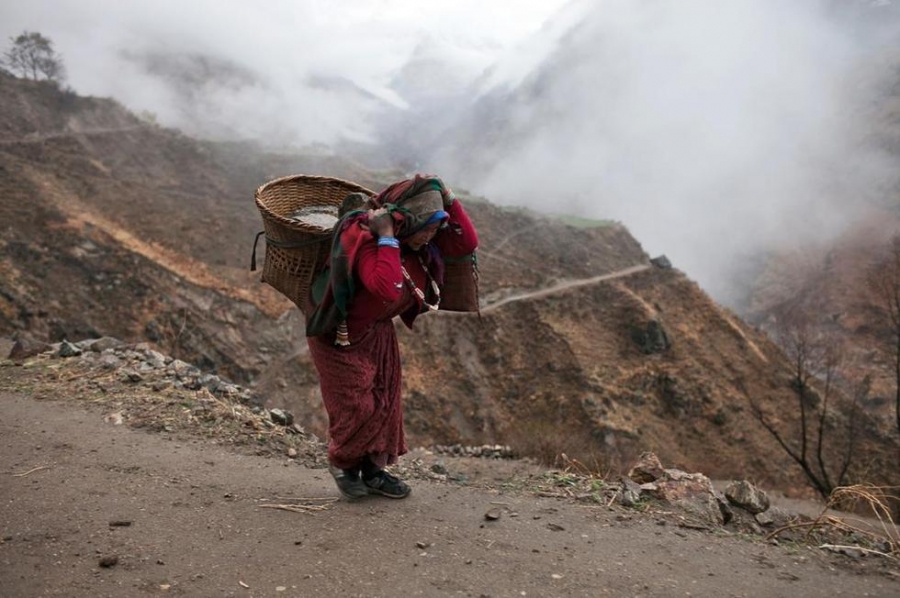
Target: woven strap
[{"x": 461, "y": 259}]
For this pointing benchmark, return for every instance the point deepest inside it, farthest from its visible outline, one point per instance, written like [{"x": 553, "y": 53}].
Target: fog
[
  {"x": 289, "y": 72},
  {"x": 713, "y": 129}
]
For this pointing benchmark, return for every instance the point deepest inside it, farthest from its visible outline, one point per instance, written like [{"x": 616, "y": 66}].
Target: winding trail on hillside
[
  {"x": 41, "y": 137},
  {"x": 502, "y": 243},
  {"x": 494, "y": 253},
  {"x": 572, "y": 284},
  {"x": 564, "y": 286}
]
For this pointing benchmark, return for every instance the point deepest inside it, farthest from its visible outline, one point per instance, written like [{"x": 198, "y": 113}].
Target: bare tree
[
  {"x": 816, "y": 361},
  {"x": 32, "y": 57},
  {"x": 884, "y": 281}
]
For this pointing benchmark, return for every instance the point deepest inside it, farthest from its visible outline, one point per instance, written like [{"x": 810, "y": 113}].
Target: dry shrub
[
  {"x": 556, "y": 445},
  {"x": 590, "y": 470},
  {"x": 879, "y": 501},
  {"x": 542, "y": 440},
  {"x": 883, "y": 536}
]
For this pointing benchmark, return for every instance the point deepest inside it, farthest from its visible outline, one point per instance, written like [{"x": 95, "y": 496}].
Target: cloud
[
  {"x": 316, "y": 70},
  {"x": 714, "y": 130}
]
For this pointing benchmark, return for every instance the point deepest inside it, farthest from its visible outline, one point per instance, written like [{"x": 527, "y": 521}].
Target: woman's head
[
  {"x": 417, "y": 205},
  {"x": 418, "y": 239},
  {"x": 428, "y": 215}
]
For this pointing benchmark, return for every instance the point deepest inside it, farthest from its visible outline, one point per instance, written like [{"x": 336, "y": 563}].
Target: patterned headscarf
[{"x": 415, "y": 203}]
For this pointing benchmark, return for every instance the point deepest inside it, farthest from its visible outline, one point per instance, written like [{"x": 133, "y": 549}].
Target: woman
[{"x": 385, "y": 262}]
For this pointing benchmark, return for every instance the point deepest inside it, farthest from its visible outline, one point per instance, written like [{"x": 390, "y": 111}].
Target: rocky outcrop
[
  {"x": 745, "y": 495},
  {"x": 651, "y": 337},
  {"x": 139, "y": 364},
  {"x": 147, "y": 389},
  {"x": 691, "y": 493},
  {"x": 26, "y": 347},
  {"x": 662, "y": 262},
  {"x": 694, "y": 495},
  {"x": 647, "y": 469},
  {"x": 67, "y": 349}
]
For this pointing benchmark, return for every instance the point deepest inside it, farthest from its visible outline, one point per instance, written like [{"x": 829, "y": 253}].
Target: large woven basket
[{"x": 296, "y": 252}]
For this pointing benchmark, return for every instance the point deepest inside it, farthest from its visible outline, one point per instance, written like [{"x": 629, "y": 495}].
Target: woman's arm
[
  {"x": 378, "y": 268},
  {"x": 459, "y": 238}
]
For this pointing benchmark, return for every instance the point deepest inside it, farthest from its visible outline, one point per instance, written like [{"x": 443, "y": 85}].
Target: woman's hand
[{"x": 381, "y": 223}]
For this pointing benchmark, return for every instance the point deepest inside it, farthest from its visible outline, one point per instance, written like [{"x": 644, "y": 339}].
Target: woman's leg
[{"x": 361, "y": 391}]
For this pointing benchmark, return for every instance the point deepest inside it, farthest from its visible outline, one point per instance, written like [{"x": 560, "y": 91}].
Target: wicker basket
[
  {"x": 460, "y": 291},
  {"x": 296, "y": 252}
]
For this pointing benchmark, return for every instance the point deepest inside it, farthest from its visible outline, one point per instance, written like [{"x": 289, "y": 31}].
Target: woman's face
[{"x": 425, "y": 235}]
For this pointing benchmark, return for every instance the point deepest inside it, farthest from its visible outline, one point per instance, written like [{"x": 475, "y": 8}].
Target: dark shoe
[
  {"x": 348, "y": 482},
  {"x": 385, "y": 484}
]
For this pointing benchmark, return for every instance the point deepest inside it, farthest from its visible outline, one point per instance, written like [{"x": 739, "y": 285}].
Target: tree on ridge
[{"x": 32, "y": 56}]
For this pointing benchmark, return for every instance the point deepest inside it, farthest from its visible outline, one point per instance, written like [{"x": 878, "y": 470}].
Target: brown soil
[{"x": 197, "y": 526}]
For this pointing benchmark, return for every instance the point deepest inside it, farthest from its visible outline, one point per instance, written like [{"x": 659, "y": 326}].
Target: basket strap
[
  {"x": 458, "y": 260},
  {"x": 472, "y": 257},
  {"x": 295, "y": 245},
  {"x": 281, "y": 245},
  {"x": 253, "y": 256}
]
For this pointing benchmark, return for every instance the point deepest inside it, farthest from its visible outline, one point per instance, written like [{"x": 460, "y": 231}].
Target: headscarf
[{"x": 415, "y": 203}]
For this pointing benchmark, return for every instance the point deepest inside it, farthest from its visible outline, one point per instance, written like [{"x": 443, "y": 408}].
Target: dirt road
[
  {"x": 564, "y": 286},
  {"x": 198, "y": 528}
]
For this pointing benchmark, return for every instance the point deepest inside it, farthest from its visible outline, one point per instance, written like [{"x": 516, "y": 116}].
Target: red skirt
[{"x": 361, "y": 391}]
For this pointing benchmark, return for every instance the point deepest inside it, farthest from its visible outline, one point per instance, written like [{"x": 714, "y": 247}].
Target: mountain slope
[{"x": 115, "y": 227}]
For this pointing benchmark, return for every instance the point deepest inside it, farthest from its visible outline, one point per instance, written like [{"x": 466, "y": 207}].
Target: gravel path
[
  {"x": 564, "y": 286},
  {"x": 196, "y": 526}
]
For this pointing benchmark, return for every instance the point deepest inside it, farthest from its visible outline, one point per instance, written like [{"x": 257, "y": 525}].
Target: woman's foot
[
  {"x": 383, "y": 483},
  {"x": 349, "y": 484}
]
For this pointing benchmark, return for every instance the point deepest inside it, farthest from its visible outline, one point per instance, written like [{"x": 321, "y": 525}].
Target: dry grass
[
  {"x": 574, "y": 481},
  {"x": 877, "y": 499},
  {"x": 541, "y": 438},
  {"x": 301, "y": 505},
  {"x": 882, "y": 536}
]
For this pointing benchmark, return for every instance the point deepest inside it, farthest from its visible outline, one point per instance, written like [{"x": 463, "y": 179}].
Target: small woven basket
[
  {"x": 297, "y": 252},
  {"x": 460, "y": 291}
]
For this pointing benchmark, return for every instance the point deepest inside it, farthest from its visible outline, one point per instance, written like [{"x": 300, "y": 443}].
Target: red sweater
[{"x": 380, "y": 283}]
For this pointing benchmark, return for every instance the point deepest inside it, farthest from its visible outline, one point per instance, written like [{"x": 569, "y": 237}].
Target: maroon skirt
[{"x": 361, "y": 391}]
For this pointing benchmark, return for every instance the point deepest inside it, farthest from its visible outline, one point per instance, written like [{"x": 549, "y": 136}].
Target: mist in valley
[{"x": 714, "y": 131}]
